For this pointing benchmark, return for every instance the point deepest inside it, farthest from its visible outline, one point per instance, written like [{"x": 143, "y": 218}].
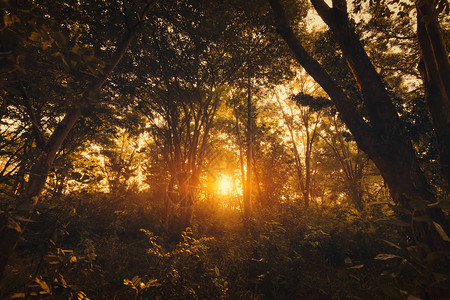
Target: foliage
[
  {"x": 100, "y": 249},
  {"x": 195, "y": 90}
]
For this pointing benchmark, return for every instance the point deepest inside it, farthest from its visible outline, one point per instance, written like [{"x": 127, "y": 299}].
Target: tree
[
  {"x": 308, "y": 121},
  {"x": 264, "y": 64},
  {"x": 180, "y": 85},
  {"x": 379, "y": 132},
  {"x": 11, "y": 228},
  {"x": 352, "y": 162},
  {"x": 120, "y": 164},
  {"x": 435, "y": 72}
]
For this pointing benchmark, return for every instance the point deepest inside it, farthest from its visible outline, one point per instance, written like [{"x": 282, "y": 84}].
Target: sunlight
[{"x": 225, "y": 185}]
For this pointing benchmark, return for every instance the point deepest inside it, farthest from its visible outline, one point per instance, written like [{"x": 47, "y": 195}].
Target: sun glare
[{"x": 225, "y": 185}]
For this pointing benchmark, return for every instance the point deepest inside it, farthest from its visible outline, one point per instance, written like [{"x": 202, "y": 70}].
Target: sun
[{"x": 225, "y": 185}]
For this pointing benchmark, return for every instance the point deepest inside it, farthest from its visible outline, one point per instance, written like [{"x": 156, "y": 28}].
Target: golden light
[{"x": 225, "y": 185}]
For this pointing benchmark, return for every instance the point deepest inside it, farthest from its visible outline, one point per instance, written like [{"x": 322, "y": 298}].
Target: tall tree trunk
[
  {"x": 9, "y": 235},
  {"x": 310, "y": 137},
  {"x": 188, "y": 183},
  {"x": 384, "y": 139},
  {"x": 307, "y": 181},
  {"x": 307, "y": 161},
  {"x": 435, "y": 72},
  {"x": 241, "y": 152},
  {"x": 298, "y": 162},
  {"x": 262, "y": 200},
  {"x": 352, "y": 168},
  {"x": 248, "y": 189}
]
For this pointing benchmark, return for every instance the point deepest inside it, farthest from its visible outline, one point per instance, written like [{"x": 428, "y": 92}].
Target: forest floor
[{"x": 100, "y": 246}]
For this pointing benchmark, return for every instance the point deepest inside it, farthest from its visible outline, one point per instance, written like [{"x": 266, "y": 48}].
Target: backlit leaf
[
  {"x": 386, "y": 256},
  {"x": 357, "y": 267},
  {"x": 441, "y": 232}
]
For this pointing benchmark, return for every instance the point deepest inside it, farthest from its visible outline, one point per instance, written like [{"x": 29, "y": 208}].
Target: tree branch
[
  {"x": 347, "y": 110},
  {"x": 35, "y": 124}
]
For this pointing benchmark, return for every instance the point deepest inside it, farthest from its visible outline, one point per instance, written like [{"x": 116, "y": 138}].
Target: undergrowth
[{"x": 100, "y": 246}]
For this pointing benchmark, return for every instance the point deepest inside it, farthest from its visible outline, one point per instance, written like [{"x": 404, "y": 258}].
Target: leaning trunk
[
  {"x": 384, "y": 139},
  {"x": 9, "y": 235}
]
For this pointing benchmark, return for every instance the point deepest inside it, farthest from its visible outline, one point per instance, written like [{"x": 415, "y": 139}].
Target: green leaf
[
  {"x": 136, "y": 280},
  {"x": 441, "y": 204},
  {"x": 60, "y": 39},
  {"x": 153, "y": 282},
  {"x": 357, "y": 267},
  {"x": 81, "y": 295},
  {"x": 386, "y": 256},
  {"x": 440, "y": 277},
  {"x": 395, "y": 222},
  {"x": 47, "y": 44},
  {"x": 441, "y": 232},
  {"x": 418, "y": 205},
  {"x": 7, "y": 20},
  {"x": 392, "y": 244},
  {"x": 216, "y": 270},
  {"x": 425, "y": 219},
  {"x": 379, "y": 202},
  {"x": 76, "y": 49},
  {"x": 17, "y": 295},
  {"x": 22, "y": 219},
  {"x": 35, "y": 37},
  {"x": 435, "y": 256},
  {"x": 12, "y": 224}
]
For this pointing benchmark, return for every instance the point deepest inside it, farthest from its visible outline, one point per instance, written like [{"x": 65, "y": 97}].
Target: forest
[{"x": 224, "y": 149}]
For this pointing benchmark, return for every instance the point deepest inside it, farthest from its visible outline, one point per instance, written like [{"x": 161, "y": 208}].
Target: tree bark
[
  {"x": 248, "y": 187},
  {"x": 241, "y": 155},
  {"x": 435, "y": 72},
  {"x": 187, "y": 189}
]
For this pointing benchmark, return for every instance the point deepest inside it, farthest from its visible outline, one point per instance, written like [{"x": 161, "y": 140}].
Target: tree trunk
[
  {"x": 298, "y": 162},
  {"x": 435, "y": 72},
  {"x": 307, "y": 161},
  {"x": 384, "y": 140},
  {"x": 248, "y": 189},
  {"x": 356, "y": 194},
  {"x": 187, "y": 190},
  {"x": 241, "y": 155},
  {"x": 9, "y": 235}
]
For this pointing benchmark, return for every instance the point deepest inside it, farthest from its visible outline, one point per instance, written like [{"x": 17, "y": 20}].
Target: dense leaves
[{"x": 176, "y": 150}]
